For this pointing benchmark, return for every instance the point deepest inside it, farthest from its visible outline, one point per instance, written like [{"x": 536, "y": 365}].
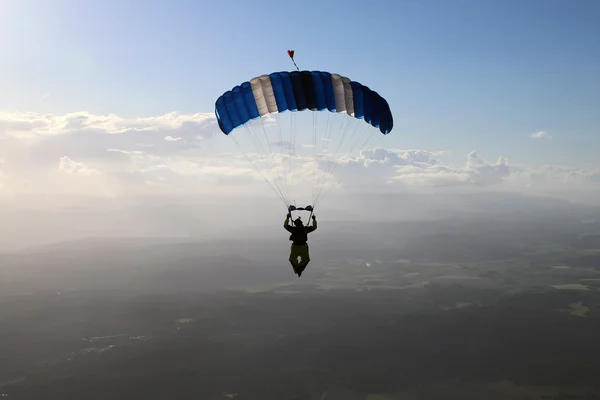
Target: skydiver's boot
[{"x": 302, "y": 267}]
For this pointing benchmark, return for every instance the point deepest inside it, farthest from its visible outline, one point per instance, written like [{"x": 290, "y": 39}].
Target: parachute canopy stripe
[{"x": 298, "y": 91}]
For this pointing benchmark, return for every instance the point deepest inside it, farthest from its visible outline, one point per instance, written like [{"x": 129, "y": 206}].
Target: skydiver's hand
[{"x": 289, "y": 215}]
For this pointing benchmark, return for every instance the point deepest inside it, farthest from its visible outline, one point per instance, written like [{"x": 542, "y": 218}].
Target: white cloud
[
  {"x": 128, "y": 152},
  {"x": 540, "y": 135},
  {"x": 424, "y": 168},
  {"x": 483, "y": 173},
  {"x": 399, "y": 157},
  {"x": 33, "y": 124},
  {"x": 68, "y": 166},
  {"x": 548, "y": 175},
  {"x": 172, "y": 139}
]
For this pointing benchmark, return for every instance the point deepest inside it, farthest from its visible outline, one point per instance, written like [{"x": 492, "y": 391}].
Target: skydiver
[{"x": 299, "y": 248}]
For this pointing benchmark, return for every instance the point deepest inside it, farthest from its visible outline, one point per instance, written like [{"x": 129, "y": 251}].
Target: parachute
[{"x": 300, "y": 153}]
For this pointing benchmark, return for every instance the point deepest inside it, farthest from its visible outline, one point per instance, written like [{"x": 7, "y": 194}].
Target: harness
[{"x": 299, "y": 235}]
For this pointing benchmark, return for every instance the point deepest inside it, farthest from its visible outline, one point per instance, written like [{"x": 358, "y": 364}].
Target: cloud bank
[{"x": 108, "y": 155}]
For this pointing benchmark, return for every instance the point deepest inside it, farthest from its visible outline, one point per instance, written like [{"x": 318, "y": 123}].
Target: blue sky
[{"x": 459, "y": 74}]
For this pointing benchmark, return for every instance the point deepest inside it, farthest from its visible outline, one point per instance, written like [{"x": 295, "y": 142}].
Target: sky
[{"x": 116, "y": 98}]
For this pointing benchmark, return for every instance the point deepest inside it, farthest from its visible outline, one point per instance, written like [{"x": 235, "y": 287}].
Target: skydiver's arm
[
  {"x": 286, "y": 224},
  {"x": 313, "y": 227}
]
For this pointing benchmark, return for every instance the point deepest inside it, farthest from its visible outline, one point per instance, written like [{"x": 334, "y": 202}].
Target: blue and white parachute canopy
[{"x": 298, "y": 91}]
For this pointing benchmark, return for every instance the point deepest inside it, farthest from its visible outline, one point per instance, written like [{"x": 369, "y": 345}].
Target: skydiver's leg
[
  {"x": 304, "y": 255},
  {"x": 294, "y": 252}
]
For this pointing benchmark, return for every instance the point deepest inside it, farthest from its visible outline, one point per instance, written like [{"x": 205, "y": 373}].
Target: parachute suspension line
[
  {"x": 345, "y": 171},
  {"x": 345, "y": 133},
  {"x": 330, "y": 165},
  {"x": 293, "y": 144},
  {"x": 266, "y": 137},
  {"x": 373, "y": 134},
  {"x": 314, "y": 166},
  {"x": 259, "y": 148},
  {"x": 328, "y": 131},
  {"x": 337, "y": 167},
  {"x": 273, "y": 163},
  {"x": 326, "y": 159},
  {"x": 295, "y": 137},
  {"x": 321, "y": 154},
  {"x": 355, "y": 135},
  {"x": 256, "y": 143},
  {"x": 260, "y": 172},
  {"x": 279, "y": 131},
  {"x": 281, "y": 161},
  {"x": 289, "y": 172},
  {"x": 357, "y": 141}
]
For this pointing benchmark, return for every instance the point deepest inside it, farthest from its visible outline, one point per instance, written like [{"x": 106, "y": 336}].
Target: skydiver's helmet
[{"x": 298, "y": 222}]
